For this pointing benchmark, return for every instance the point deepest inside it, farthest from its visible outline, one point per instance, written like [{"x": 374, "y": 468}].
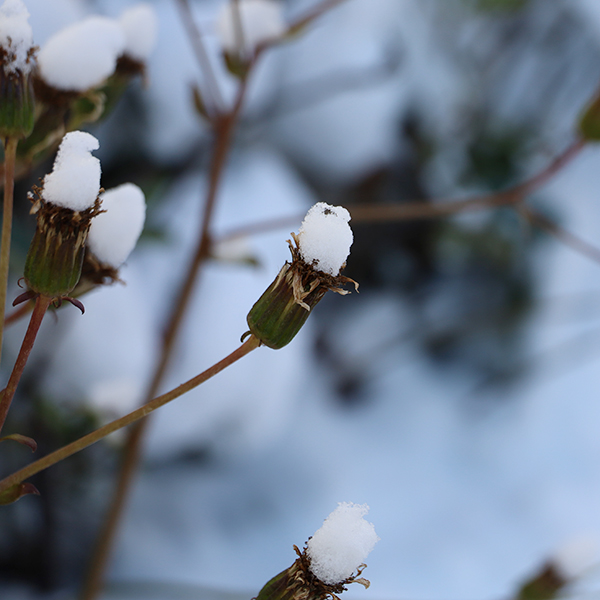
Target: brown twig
[
  {"x": 202, "y": 57},
  {"x": 41, "y": 305},
  {"x": 224, "y": 125},
  {"x": 91, "y": 438}
]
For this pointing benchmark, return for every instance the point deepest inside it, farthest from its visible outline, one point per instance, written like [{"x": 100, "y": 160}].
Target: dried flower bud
[
  {"x": 64, "y": 206},
  {"x": 319, "y": 253},
  {"x": 324, "y": 569}
]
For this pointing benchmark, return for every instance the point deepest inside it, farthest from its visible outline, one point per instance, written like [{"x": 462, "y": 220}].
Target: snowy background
[{"x": 457, "y": 395}]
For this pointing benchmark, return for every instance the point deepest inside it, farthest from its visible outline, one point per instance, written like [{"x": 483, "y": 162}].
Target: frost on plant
[{"x": 140, "y": 25}]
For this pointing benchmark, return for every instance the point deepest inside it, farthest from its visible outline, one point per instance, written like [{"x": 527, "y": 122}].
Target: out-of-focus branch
[
  {"x": 312, "y": 14},
  {"x": 202, "y": 57}
]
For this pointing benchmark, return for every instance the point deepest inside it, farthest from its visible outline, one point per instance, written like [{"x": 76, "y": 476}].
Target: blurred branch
[
  {"x": 386, "y": 213},
  {"x": 313, "y": 14},
  {"x": 206, "y": 68},
  {"x": 223, "y": 127},
  {"x": 51, "y": 459}
]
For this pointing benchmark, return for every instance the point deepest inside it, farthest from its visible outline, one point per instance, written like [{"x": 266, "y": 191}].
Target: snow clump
[
  {"x": 75, "y": 179},
  {"x": 82, "y": 55},
  {"x": 114, "y": 233},
  {"x": 140, "y": 26},
  {"x": 261, "y": 21},
  {"x": 342, "y": 544},
  {"x": 576, "y": 556},
  {"x": 324, "y": 238},
  {"x": 16, "y": 37}
]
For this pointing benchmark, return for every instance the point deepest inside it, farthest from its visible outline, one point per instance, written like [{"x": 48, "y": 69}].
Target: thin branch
[
  {"x": 224, "y": 126},
  {"x": 41, "y": 305},
  {"x": 313, "y": 14},
  {"x": 91, "y": 438},
  {"x": 206, "y": 67},
  {"x": 417, "y": 210},
  {"x": 10, "y": 154}
]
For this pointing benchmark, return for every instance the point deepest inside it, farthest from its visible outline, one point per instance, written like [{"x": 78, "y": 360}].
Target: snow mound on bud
[
  {"x": 261, "y": 21},
  {"x": 114, "y": 233},
  {"x": 15, "y": 35},
  {"x": 576, "y": 556},
  {"x": 82, "y": 55},
  {"x": 342, "y": 544},
  {"x": 324, "y": 238},
  {"x": 75, "y": 179},
  {"x": 140, "y": 26}
]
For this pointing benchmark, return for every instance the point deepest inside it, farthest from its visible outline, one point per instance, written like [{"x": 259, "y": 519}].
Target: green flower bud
[
  {"x": 54, "y": 261},
  {"x": 280, "y": 312},
  {"x": 17, "y": 101}
]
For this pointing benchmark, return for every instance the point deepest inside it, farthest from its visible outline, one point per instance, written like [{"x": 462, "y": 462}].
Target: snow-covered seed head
[
  {"x": 244, "y": 25},
  {"x": 64, "y": 207},
  {"x": 332, "y": 559},
  {"x": 140, "y": 26},
  {"x": 324, "y": 238},
  {"x": 83, "y": 55},
  {"x": 342, "y": 544},
  {"x": 16, "y": 39},
  {"x": 280, "y": 312},
  {"x": 17, "y": 59},
  {"x": 115, "y": 232}
]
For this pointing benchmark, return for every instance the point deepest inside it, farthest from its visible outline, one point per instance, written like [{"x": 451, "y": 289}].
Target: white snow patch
[
  {"x": 140, "y": 26},
  {"x": 342, "y": 544},
  {"x": 15, "y": 35},
  {"x": 82, "y": 55},
  {"x": 114, "y": 233},
  {"x": 577, "y": 555},
  {"x": 260, "y": 21},
  {"x": 325, "y": 238},
  {"x": 75, "y": 179}
]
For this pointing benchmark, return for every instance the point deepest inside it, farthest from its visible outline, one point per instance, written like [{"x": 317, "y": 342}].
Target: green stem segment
[
  {"x": 41, "y": 305},
  {"x": 87, "y": 440},
  {"x": 10, "y": 153}
]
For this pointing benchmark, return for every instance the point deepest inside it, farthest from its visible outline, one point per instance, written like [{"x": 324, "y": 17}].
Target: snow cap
[
  {"x": 324, "y": 238},
  {"x": 342, "y": 544},
  {"x": 75, "y": 179},
  {"x": 140, "y": 26},
  {"x": 261, "y": 21},
  {"x": 15, "y": 35},
  {"x": 82, "y": 55},
  {"x": 114, "y": 233}
]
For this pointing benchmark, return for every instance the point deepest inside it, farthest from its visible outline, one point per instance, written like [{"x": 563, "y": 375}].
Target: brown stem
[
  {"x": 224, "y": 126},
  {"x": 91, "y": 438},
  {"x": 380, "y": 213},
  {"x": 217, "y": 103},
  {"x": 10, "y": 153},
  {"x": 41, "y": 305}
]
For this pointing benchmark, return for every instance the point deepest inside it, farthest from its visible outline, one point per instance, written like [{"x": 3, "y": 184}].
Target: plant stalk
[
  {"x": 10, "y": 153},
  {"x": 91, "y": 438},
  {"x": 41, "y": 305}
]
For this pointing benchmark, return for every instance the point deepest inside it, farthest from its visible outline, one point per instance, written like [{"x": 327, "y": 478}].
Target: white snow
[
  {"x": 261, "y": 21},
  {"x": 140, "y": 26},
  {"x": 325, "y": 238},
  {"x": 114, "y": 233},
  {"x": 75, "y": 179},
  {"x": 577, "y": 555},
  {"x": 15, "y": 35},
  {"x": 342, "y": 544},
  {"x": 82, "y": 55}
]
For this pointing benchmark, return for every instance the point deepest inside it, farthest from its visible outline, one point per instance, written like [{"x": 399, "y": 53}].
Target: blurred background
[{"x": 457, "y": 394}]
